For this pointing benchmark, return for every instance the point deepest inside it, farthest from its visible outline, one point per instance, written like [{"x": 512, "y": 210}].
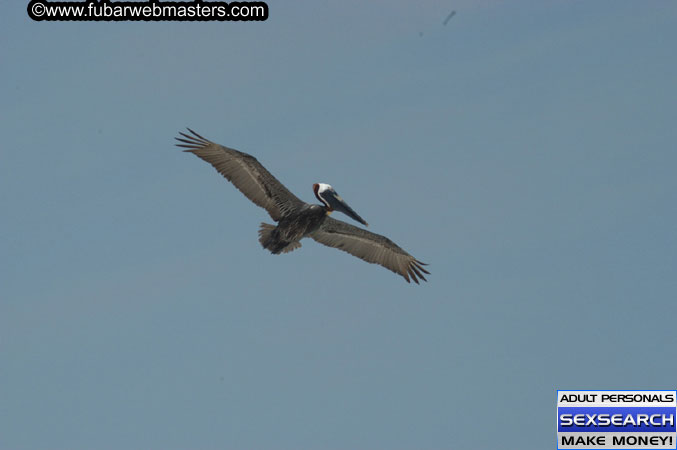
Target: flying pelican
[{"x": 297, "y": 219}]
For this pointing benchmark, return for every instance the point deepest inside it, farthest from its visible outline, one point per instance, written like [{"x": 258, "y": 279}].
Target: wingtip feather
[{"x": 188, "y": 128}]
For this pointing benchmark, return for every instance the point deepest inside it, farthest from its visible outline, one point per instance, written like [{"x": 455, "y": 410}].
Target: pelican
[{"x": 297, "y": 219}]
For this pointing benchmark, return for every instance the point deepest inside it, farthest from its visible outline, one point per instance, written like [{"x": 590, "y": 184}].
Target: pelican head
[{"x": 333, "y": 202}]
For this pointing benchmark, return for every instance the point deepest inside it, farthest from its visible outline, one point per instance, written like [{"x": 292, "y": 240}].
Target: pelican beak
[{"x": 338, "y": 204}]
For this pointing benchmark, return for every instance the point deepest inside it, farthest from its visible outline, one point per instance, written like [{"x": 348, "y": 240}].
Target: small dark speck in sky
[{"x": 451, "y": 14}]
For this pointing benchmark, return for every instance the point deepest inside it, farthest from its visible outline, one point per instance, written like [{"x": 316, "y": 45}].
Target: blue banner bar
[{"x": 616, "y": 419}]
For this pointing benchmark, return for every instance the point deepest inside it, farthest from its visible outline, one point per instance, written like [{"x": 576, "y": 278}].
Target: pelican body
[
  {"x": 308, "y": 219},
  {"x": 297, "y": 219}
]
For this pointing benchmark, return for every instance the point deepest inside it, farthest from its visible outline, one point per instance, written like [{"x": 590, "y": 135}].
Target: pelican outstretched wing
[
  {"x": 245, "y": 172},
  {"x": 370, "y": 247}
]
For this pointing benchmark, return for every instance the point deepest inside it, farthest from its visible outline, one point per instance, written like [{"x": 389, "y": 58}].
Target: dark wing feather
[
  {"x": 370, "y": 247},
  {"x": 245, "y": 172}
]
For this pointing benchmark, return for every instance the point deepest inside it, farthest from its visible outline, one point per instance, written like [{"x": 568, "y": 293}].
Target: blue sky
[{"x": 526, "y": 151}]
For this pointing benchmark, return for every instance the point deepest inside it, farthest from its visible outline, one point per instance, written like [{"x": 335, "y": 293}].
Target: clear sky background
[{"x": 526, "y": 151}]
